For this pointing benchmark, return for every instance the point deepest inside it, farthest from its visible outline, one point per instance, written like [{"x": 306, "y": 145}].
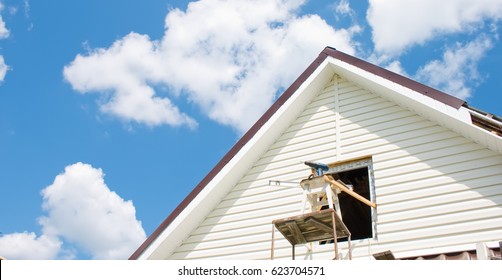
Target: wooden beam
[
  {"x": 335, "y": 237},
  {"x": 343, "y": 162},
  {"x": 386, "y": 255},
  {"x": 320, "y": 225},
  {"x": 295, "y": 231},
  {"x": 352, "y": 193}
]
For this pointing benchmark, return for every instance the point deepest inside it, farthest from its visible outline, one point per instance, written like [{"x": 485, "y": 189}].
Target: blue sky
[{"x": 112, "y": 111}]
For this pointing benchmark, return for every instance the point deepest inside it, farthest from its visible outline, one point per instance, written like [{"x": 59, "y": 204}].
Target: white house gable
[
  {"x": 423, "y": 174},
  {"x": 435, "y": 178}
]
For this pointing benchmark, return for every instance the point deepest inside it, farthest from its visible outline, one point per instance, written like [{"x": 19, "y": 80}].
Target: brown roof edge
[
  {"x": 230, "y": 154},
  {"x": 328, "y": 51},
  {"x": 396, "y": 78}
]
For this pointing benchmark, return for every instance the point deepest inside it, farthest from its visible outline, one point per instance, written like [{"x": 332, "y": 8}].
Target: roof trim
[
  {"x": 396, "y": 78},
  {"x": 327, "y": 52}
]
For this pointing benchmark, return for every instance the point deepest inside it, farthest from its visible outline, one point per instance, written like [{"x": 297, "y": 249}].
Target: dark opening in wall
[{"x": 355, "y": 214}]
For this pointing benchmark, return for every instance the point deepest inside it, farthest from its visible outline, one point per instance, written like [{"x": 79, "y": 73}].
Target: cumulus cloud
[
  {"x": 4, "y": 32},
  {"x": 230, "y": 64},
  {"x": 400, "y": 24},
  {"x": 457, "y": 71},
  {"x": 343, "y": 7},
  {"x": 396, "y": 67},
  {"x": 83, "y": 210},
  {"x": 127, "y": 69},
  {"x": 26, "y": 245},
  {"x": 3, "y": 68},
  {"x": 83, "y": 215}
]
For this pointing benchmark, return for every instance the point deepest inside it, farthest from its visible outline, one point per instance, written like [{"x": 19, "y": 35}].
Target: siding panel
[{"x": 434, "y": 188}]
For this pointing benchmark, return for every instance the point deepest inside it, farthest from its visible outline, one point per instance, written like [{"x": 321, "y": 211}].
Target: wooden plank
[
  {"x": 308, "y": 231},
  {"x": 347, "y": 161},
  {"x": 320, "y": 225},
  {"x": 386, "y": 255},
  {"x": 295, "y": 231},
  {"x": 343, "y": 188},
  {"x": 335, "y": 237}
]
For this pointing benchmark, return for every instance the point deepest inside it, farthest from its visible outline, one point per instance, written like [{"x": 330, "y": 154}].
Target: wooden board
[{"x": 311, "y": 227}]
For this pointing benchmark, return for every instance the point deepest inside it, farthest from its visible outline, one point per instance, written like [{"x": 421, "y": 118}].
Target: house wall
[{"x": 434, "y": 188}]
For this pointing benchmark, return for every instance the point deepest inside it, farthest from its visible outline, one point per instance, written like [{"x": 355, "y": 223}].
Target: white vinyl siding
[{"x": 434, "y": 188}]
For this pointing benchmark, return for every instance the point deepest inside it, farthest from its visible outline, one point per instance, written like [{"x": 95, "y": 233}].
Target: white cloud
[
  {"x": 83, "y": 215},
  {"x": 400, "y": 24},
  {"x": 457, "y": 72},
  {"x": 3, "y": 68},
  {"x": 4, "y": 32},
  {"x": 396, "y": 67},
  {"x": 82, "y": 210},
  {"x": 343, "y": 8},
  {"x": 127, "y": 69},
  {"x": 26, "y": 246},
  {"x": 230, "y": 64}
]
